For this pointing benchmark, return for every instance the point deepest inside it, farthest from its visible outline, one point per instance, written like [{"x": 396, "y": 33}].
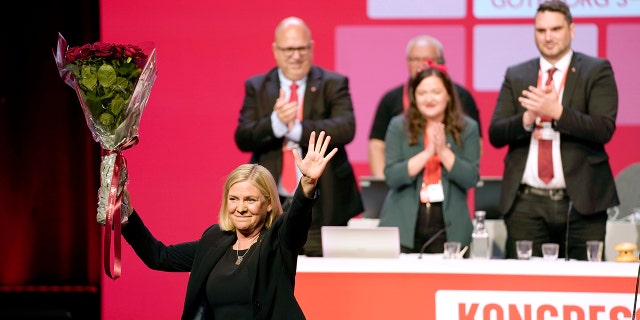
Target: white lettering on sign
[
  {"x": 530, "y": 305},
  {"x": 579, "y": 8}
]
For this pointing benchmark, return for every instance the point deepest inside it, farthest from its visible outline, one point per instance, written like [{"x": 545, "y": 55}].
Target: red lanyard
[
  {"x": 405, "y": 96},
  {"x": 432, "y": 169}
]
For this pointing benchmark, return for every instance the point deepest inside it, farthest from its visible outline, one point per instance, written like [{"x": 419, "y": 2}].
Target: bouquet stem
[{"x": 113, "y": 205}]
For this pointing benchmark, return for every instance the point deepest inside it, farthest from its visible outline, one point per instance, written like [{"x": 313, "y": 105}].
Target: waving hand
[{"x": 314, "y": 162}]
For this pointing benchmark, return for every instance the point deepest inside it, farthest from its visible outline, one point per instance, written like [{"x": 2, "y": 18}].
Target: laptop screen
[
  {"x": 374, "y": 191},
  {"x": 487, "y": 196},
  {"x": 349, "y": 242}
]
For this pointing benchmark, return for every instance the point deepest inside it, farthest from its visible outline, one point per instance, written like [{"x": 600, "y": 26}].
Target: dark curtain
[{"x": 49, "y": 237}]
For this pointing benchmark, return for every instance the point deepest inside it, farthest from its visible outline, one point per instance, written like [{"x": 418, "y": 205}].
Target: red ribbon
[
  {"x": 113, "y": 223},
  {"x": 428, "y": 63}
]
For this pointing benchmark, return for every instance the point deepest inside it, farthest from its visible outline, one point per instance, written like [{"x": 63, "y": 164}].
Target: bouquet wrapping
[{"x": 113, "y": 83}]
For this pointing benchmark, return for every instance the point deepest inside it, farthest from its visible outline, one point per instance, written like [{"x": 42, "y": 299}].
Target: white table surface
[{"x": 433, "y": 263}]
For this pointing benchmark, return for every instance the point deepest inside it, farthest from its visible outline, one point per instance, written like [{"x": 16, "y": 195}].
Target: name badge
[
  {"x": 432, "y": 193},
  {"x": 546, "y": 133}
]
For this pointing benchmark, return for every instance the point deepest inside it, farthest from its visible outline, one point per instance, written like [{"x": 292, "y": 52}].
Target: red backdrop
[{"x": 206, "y": 50}]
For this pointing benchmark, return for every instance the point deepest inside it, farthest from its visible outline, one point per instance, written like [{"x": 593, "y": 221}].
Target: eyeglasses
[
  {"x": 290, "y": 50},
  {"x": 419, "y": 59}
]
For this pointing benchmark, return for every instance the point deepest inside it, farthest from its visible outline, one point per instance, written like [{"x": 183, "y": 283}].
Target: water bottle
[{"x": 480, "y": 244}]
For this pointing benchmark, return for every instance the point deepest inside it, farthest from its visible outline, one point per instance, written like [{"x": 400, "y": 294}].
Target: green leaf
[
  {"x": 94, "y": 103},
  {"x": 106, "y": 75},
  {"x": 87, "y": 78},
  {"x": 121, "y": 85},
  {"x": 106, "y": 119},
  {"x": 117, "y": 104}
]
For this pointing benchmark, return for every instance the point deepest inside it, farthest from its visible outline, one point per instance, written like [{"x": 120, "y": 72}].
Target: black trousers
[
  {"x": 542, "y": 219},
  {"x": 430, "y": 221}
]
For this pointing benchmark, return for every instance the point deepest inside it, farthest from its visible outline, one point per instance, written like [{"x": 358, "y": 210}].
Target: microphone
[
  {"x": 566, "y": 236},
  {"x": 433, "y": 238}
]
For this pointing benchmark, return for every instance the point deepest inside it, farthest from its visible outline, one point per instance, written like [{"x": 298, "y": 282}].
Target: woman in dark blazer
[
  {"x": 429, "y": 180},
  {"x": 245, "y": 266}
]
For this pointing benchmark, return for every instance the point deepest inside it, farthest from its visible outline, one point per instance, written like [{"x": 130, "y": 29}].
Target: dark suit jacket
[
  {"x": 588, "y": 121},
  {"x": 272, "y": 272},
  {"x": 328, "y": 107}
]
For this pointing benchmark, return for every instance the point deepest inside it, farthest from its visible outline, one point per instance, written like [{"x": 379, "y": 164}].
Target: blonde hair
[{"x": 262, "y": 179}]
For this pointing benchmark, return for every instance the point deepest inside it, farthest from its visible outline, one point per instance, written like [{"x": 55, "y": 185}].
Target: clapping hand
[
  {"x": 314, "y": 162},
  {"x": 286, "y": 110},
  {"x": 541, "y": 102},
  {"x": 430, "y": 148},
  {"x": 439, "y": 137}
]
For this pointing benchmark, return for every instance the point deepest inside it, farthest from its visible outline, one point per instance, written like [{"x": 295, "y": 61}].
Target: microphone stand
[
  {"x": 566, "y": 236},
  {"x": 432, "y": 239},
  {"x": 635, "y": 298}
]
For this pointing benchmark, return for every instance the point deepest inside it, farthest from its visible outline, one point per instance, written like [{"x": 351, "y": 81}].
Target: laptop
[
  {"x": 487, "y": 196},
  {"x": 349, "y": 242},
  {"x": 373, "y": 191}
]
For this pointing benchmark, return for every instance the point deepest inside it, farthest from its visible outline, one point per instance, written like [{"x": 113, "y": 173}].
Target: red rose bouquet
[{"x": 113, "y": 83}]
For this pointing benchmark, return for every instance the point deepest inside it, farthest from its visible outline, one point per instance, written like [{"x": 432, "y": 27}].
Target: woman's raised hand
[{"x": 315, "y": 161}]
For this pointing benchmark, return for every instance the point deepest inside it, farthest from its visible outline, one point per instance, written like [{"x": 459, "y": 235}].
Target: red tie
[
  {"x": 545, "y": 160},
  {"x": 289, "y": 178}
]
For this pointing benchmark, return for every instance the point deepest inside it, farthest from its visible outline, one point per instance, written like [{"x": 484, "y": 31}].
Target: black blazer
[
  {"x": 272, "y": 272},
  {"x": 587, "y": 123},
  {"x": 328, "y": 107}
]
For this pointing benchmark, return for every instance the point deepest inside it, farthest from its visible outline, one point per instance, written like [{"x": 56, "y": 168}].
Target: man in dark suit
[
  {"x": 419, "y": 49},
  {"x": 277, "y": 117},
  {"x": 568, "y": 113}
]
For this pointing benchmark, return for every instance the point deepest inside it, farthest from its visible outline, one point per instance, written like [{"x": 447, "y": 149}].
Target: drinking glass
[
  {"x": 524, "y": 248},
  {"x": 451, "y": 250},
  {"x": 550, "y": 251},
  {"x": 594, "y": 250}
]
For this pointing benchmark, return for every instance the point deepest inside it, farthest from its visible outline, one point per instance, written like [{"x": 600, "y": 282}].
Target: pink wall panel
[
  {"x": 496, "y": 47},
  {"x": 623, "y": 45},
  {"x": 374, "y": 58}
]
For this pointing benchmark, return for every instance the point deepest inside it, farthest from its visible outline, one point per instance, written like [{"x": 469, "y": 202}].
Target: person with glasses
[
  {"x": 420, "y": 49},
  {"x": 281, "y": 109}
]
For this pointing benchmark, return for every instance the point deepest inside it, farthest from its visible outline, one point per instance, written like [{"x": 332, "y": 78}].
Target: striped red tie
[
  {"x": 289, "y": 178},
  {"x": 545, "y": 159}
]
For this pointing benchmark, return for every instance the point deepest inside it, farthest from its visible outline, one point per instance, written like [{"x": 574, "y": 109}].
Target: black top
[{"x": 228, "y": 292}]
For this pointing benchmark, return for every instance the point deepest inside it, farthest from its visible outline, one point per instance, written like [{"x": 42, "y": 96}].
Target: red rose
[
  {"x": 73, "y": 54},
  {"x": 134, "y": 51},
  {"x": 85, "y": 52},
  {"x": 106, "y": 50},
  {"x": 102, "y": 49},
  {"x": 118, "y": 52},
  {"x": 79, "y": 53}
]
